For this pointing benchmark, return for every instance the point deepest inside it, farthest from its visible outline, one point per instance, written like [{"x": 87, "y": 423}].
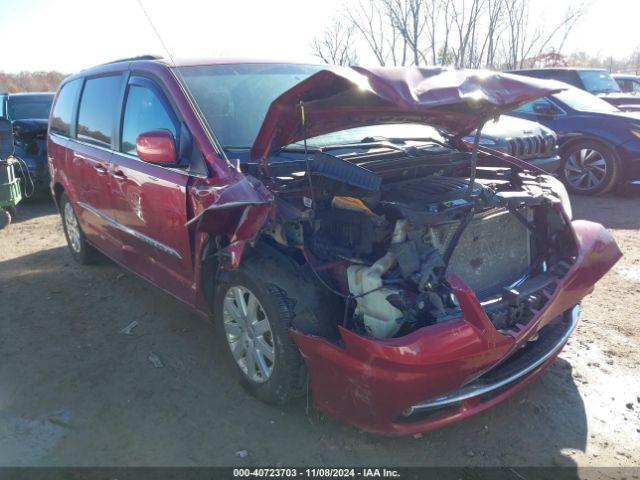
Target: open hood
[{"x": 339, "y": 98}]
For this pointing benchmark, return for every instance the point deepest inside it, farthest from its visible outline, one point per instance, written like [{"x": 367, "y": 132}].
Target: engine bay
[{"x": 385, "y": 229}]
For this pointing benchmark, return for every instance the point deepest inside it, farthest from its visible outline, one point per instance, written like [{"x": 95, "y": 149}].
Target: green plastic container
[{"x": 10, "y": 193}]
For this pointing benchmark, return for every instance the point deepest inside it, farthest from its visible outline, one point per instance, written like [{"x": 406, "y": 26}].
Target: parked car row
[
  {"x": 409, "y": 277},
  {"x": 597, "y": 127}
]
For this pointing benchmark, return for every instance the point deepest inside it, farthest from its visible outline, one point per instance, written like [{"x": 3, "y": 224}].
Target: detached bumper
[{"x": 446, "y": 372}]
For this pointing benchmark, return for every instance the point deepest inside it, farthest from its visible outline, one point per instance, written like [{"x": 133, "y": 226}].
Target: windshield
[
  {"x": 598, "y": 81},
  {"x": 234, "y": 98},
  {"x": 22, "y": 108},
  {"x": 372, "y": 133},
  {"x": 584, "y": 101}
]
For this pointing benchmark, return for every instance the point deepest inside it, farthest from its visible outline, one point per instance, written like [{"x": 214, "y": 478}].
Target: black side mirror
[
  {"x": 6, "y": 138},
  {"x": 544, "y": 109}
]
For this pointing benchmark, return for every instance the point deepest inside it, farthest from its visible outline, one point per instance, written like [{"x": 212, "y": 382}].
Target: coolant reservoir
[{"x": 380, "y": 318}]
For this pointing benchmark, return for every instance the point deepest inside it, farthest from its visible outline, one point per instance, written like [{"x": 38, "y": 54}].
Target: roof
[
  {"x": 29, "y": 94},
  {"x": 141, "y": 60},
  {"x": 629, "y": 76}
]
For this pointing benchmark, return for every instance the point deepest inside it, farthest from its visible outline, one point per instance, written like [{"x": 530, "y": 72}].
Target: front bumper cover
[{"x": 371, "y": 383}]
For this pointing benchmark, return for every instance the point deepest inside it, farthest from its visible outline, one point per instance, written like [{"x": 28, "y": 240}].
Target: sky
[{"x": 68, "y": 35}]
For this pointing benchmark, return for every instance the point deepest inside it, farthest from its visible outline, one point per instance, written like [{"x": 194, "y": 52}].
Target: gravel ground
[{"x": 74, "y": 390}]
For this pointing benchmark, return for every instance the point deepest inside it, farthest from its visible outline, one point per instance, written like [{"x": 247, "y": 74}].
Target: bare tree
[
  {"x": 462, "y": 33},
  {"x": 335, "y": 44},
  {"x": 372, "y": 21},
  {"x": 527, "y": 40}
]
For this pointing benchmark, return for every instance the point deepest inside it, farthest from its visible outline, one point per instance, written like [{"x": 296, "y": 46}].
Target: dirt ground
[{"x": 75, "y": 391}]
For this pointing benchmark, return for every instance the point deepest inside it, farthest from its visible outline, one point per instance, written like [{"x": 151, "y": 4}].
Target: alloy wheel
[
  {"x": 585, "y": 169},
  {"x": 248, "y": 333},
  {"x": 72, "y": 228}
]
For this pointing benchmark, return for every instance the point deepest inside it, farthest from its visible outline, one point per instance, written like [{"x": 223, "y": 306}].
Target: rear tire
[
  {"x": 589, "y": 168},
  {"x": 81, "y": 251},
  {"x": 5, "y": 218}
]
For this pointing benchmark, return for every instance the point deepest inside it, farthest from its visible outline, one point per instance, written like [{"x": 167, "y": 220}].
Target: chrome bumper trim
[{"x": 467, "y": 392}]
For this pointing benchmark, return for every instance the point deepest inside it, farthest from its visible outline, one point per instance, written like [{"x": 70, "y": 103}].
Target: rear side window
[
  {"x": 144, "y": 111},
  {"x": 98, "y": 108},
  {"x": 63, "y": 110}
]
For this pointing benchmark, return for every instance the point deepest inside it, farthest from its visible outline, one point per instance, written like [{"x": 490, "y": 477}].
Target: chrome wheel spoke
[
  {"x": 589, "y": 155},
  {"x": 252, "y": 307},
  {"x": 233, "y": 329},
  {"x": 238, "y": 349},
  {"x": 248, "y": 333},
  {"x": 261, "y": 327},
  {"x": 585, "y": 169},
  {"x": 252, "y": 367},
  {"x": 265, "y": 349},
  {"x": 240, "y": 301},
  {"x": 593, "y": 180},
  {"x": 262, "y": 364}
]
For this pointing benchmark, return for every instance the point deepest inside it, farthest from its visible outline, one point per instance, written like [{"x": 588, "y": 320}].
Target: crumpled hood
[{"x": 346, "y": 97}]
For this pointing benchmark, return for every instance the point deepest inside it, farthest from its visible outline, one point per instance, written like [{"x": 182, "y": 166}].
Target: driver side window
[
  {"x": 530, "y": 108},
  {"x": 144, "y": 111}
]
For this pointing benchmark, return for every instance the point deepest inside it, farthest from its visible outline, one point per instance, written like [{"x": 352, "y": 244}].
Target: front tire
[
  {"x": 5, "y": 217},
  {"x": 81, "y": 251},
  {"x": 254, "y": 316},
  {"x": 590, "y": 168}
]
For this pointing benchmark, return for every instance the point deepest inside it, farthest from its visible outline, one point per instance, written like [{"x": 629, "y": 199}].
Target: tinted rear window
[
  {"x": 63, "y": 110},
  {"x": 29, "y": 106},
  {"x": 98, "y": 107}
]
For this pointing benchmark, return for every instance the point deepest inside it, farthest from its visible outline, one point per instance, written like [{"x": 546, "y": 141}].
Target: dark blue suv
[
  {"x": 599, "y": 144},
  {"x": 29, "y": 115}
]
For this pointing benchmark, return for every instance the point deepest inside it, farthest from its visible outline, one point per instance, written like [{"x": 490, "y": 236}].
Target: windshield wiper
[{"x": 417, "y": 139}]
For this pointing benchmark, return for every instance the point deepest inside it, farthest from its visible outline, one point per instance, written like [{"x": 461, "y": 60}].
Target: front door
[{"x": 150, "y": 201}]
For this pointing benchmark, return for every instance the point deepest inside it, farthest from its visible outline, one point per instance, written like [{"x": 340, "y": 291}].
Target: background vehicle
[
  {"x": 524, "y": 139},
  {"x": 335, "y": 241},
  {"x": 593, "y": 80},
  {"x": 599, "y": 144},
  {"x": 627, "y": 83},
  {"x": 29, "y": 114}
]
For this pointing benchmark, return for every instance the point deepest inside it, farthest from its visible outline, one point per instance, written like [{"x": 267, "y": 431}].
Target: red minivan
[{"x": 334, "y": 224}]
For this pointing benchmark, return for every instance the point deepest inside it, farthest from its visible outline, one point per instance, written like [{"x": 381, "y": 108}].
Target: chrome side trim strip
[
  {"x": 469, "y": 392},
  {"x": 131, "y": 231}
]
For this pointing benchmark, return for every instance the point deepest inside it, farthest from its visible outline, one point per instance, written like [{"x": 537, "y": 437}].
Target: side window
[
  {"x": 98, "y": 108},
  {"x": 531, "y": 109},
  {"x": 144, "y": 111},
  {"x": 635, "y": 86},
  {"x": 63, "y": 109}
]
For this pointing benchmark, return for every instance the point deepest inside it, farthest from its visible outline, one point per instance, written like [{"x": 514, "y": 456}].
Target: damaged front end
[{"x": 450, "y": 262}]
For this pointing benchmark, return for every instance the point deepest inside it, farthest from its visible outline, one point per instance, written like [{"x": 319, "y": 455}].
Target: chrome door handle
[
  {"x": 118, "y": 175},
  {"x": 101, "y": 169}
]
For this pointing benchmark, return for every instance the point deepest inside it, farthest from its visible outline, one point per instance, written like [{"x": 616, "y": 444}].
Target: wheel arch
[
  {"x": 586, "y": 138},
  {"x": 285, "y": 270},
  {"x": 58, "y": 190}
]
